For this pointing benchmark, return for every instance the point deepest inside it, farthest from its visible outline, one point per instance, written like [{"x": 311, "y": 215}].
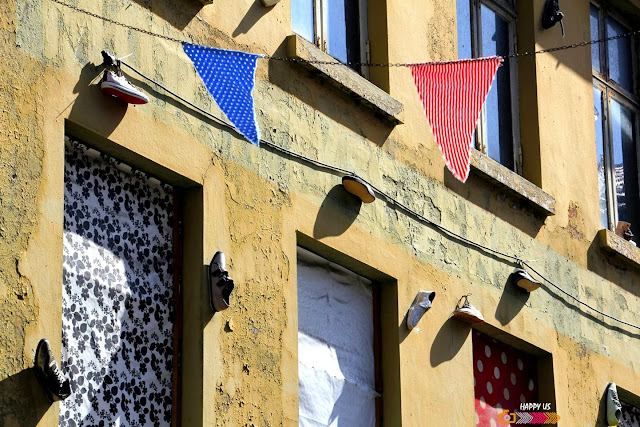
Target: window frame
[
  {"x": 611, "y": 90},
  {"x": 507, "y": 10},
  {"x": 321, "y": 31},
  {"x": 376, "y": 307}
]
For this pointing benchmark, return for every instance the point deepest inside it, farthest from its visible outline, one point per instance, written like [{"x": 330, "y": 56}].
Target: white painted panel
[{"x": 336, "y": 366}]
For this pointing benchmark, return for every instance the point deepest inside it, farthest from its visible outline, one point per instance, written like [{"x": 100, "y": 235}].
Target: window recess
[
  {"x": 488, "y": 28},
  {"x": 615, "y": 88},
  {"x": 337, "y": 27}
]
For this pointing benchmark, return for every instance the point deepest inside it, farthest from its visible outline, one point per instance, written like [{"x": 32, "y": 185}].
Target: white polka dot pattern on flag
[
  {"x": 504, "y": 377},
  {"x": 229, "y": 76}
]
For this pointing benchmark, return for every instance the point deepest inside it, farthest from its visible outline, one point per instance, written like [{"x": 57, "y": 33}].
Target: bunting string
[
  {"x": 207, "y": 59},
  {"x": 336, "y": 62},
  {"x": 511, "y": 258}
]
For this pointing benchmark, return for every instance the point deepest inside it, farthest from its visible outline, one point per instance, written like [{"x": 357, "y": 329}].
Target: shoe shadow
[
  {"x": 253, "y": 15},
  {"x": 92, "y": 108},
  {"x": 449, "y": 340},
  {"x": 22, "y": 399},
  {"x": 338, "y": 211},
  {"x": 512, "y": 300}
]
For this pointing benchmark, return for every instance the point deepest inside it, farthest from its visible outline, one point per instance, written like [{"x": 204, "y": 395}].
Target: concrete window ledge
[
  {"x": 346, "y": 79},
  {"x": 615, "y": 244},
  {"x": 520, "y": 187}
]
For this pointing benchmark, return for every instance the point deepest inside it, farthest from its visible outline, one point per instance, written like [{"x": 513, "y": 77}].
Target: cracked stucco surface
[{"x": 50, "y": 56}]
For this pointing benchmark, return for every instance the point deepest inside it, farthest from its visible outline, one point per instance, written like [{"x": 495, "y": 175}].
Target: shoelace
[
  {"x": 57, "y": 373},
  {"x": 466, "y": 301},
  {"x": 615, "y": 396}
]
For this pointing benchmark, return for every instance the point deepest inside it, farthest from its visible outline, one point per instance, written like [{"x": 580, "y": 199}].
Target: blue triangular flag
[{"x": 229, "y": 76}]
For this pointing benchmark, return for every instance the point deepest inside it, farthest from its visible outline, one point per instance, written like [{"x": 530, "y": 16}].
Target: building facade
[{"x": 111, "y": 215}]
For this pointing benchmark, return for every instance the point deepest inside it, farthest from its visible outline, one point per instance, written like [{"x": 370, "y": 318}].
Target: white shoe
[
  {"x": 421, "y": 304},
  {"x": 524, "y": 280},
  {"x": 467, "y": 312},
  {"x": 614, "y": 408},
  {"x": 117, "y": 85}
]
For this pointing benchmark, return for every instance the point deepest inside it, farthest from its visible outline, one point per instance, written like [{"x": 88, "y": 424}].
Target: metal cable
[
  {"x": 576, "y": 299},
  {"x": 388, "y": 198},
  {"x": 111, "y": 21},
  {"x": 328, "y": 166},
  {"x": 350, "y": 63}
]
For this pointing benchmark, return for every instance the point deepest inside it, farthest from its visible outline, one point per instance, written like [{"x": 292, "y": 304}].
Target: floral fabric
[{"x": 117, "y": 304}]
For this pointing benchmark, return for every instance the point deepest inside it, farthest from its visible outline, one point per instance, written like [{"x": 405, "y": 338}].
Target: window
[
  {"x": 338, "y": 345},
  {"x": 488, "y": 28},
  {"x": 616, "y": 119},
  {"x": 506, "y": 374},
  {"x": 121, "y": 304},
  {"x": 338, "y": 27}
]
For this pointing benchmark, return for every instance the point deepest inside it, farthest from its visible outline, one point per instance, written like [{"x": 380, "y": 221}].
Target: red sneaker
[{"x": 118, "y": 86}]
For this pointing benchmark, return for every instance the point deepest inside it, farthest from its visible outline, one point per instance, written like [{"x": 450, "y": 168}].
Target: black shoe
[
  {"x": 56, "y": 386},
  {"x": 220, "y": 284},
  {"x": 552, "y": 15}
]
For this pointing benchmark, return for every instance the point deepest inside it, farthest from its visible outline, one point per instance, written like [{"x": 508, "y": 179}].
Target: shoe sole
[
  {"x": 119, "y": 92},
  {"x": 467, "y": 317},
  {"x": 358, "y": 189},
  {"x": 528, "y": 285}
]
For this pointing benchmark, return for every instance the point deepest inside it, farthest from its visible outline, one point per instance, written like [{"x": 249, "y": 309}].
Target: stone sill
[
  {"x": 615, "y": 244},
  {"x": 520, "y": 187},
  {"x": 346, "y": 79}
]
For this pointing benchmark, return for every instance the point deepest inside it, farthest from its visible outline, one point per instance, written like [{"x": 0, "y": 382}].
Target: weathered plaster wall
[{"x": 253, "y": 201}]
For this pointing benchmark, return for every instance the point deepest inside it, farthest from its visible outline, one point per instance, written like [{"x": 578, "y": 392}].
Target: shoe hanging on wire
[
  {"x": 116, "y": 84},
  {"x": 467, "y": 312}
]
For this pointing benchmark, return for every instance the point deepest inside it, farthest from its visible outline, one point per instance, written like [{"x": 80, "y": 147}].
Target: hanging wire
[
  {"x": 391, "y": 200},
  {"x": 349, "y": 63},
  {"x": 577, "y": 300},
  {"x": 387, "y": 197}
]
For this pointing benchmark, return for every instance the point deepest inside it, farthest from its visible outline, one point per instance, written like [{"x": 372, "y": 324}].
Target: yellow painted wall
[{"x": 256, "y": 205}]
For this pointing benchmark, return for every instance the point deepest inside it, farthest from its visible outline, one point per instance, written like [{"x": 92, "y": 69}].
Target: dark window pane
[
  {"x": 602, "y": 186},
  {"x": 619, "y": 55},
  {"x": 302, "y": 18},
  {"x": 624, "y": 163},
  {"x": 499, "y": 124},
  {"x": 337, "y": 29},
  {"x": 464, "y": 29},
  {"x": 595, "y": 35},
  {"x": 343, "y": 27}
]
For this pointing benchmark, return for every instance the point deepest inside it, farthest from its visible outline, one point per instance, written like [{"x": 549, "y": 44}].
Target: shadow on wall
[
  {"x": 176, "y": 13},
  {"x": 612, "y": 325},
  {"x": 511, "y": 302},
  {"x": 448, "y": 341},
  {"x": 22, "y": 400},
  {"x": 497, "y": 201},
  {"x": 338, "y": 211},
  {"x": 253, "y": 15},
  {"x": 612, "y": 268},
  {"x": 602, "y": 410},
  {"x": 103, "y": 112},
  {"x": 314, "y": 90}
]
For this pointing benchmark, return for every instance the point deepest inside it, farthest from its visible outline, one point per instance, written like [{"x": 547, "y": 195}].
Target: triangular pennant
[
  {"x": 452, "y": 94},
  {"x": 229, "y": 76}
]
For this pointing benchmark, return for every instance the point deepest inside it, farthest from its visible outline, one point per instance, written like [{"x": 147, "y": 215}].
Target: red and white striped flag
[{"x": 452, "y": 94}]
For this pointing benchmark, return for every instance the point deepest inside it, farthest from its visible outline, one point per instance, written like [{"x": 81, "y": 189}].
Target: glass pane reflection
[{"x": 499, "y": 125}]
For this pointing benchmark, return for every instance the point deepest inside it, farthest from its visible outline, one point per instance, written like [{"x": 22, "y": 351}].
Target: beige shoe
[
  {"x": 467, "y": 312},
  {"x": 359, "y": 188}
]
